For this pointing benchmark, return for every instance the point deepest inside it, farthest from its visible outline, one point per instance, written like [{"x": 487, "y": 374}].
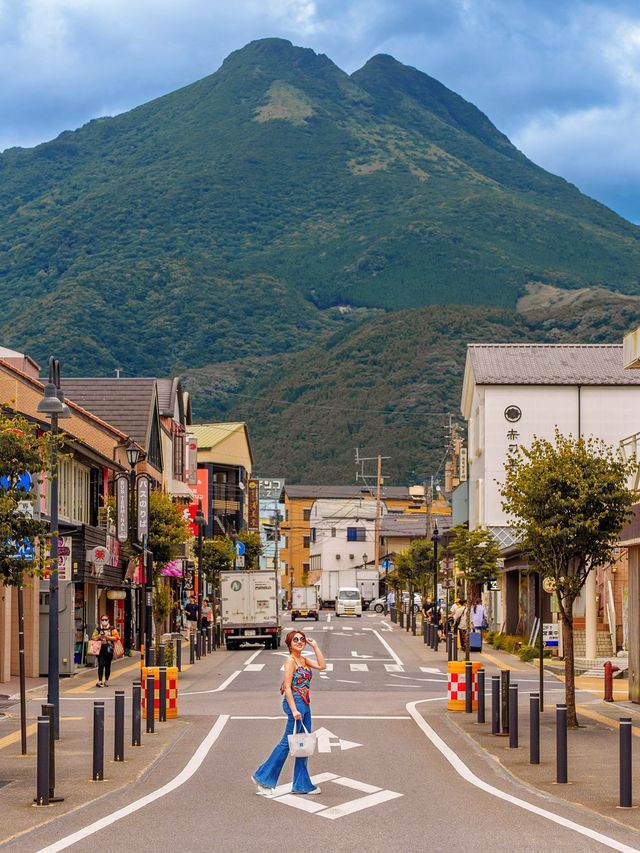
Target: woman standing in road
[{"x": 296, "y": 704}]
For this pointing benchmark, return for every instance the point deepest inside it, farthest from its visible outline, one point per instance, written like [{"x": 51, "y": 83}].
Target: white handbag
[{"x": 301, "y": 744}]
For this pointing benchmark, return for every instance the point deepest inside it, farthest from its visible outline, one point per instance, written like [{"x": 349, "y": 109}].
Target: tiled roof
[
  {"x": 411, "y": 524},
  {"x": 127, "y": 403},
  {"x": 550, "y": 364},
  {"x": 210, "y": 435},
  {"x": 315, "y": 492}
]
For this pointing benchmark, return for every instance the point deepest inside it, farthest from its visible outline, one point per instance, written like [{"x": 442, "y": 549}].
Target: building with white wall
[{"x": 513, "y": 392}]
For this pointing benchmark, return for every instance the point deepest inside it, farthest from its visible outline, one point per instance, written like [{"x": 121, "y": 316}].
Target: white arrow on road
[
  {"x": 327, "y": 740},
  {"x": 356, "y": 655}
]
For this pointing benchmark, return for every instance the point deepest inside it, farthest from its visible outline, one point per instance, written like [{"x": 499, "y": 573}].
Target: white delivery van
[{"x": 348, "y": 601}]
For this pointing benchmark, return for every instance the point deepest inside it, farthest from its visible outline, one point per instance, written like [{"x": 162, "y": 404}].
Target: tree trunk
[{"x": 569, "y": 669}]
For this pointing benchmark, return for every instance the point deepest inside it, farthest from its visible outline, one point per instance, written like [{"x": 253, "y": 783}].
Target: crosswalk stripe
[
  {"x": 393, "y": 667},
  {"x": 359, "y": 667}
]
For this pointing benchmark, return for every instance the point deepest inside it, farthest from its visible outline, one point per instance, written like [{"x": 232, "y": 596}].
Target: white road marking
[
  {"x": 435, "y": 670},
  {"x": 329, "y": 667},
  {"x": 314, "y": 807},
  {"x": 356, "y": 655},
  {"x": 388, "y": 648},
  {"x": 417, "y": 686},
  {"x": 359, "y": 667},
  {"x": 359, "y": 804},
  {"x": 416, "y": 678},
  {"x": 393, "y": 667},
  {"x": 329, "y": 618},
  {"x": 346, "y": 681},
  {"x": 347, "y": 628},
  {"x": 330, "y": 716},
  {"x": 191, "y": 767},
  {"x": 253, "y": 657},
  {"x": 222, "y": 687},
  {"x": 327, "y": 740},
  {"x": 327, "y": 627},
  {"x": 462, "y": 770},
  {"x": 254, "y": 667}
]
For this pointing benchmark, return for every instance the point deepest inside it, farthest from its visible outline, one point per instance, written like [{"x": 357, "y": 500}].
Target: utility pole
[
  {"x": 360, "y": 460},
  {"x": 276, "y": 533}
]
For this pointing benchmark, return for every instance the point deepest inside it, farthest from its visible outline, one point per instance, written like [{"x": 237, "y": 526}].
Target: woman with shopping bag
[
  {"x": 297, "y": 706},
  {"x": 110, "y": 644}
]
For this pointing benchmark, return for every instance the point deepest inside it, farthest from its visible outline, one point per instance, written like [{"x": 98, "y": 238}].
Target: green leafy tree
[
  {"x": 22, "y": 450},
  {"x": 253, "y": 549},
  {"x": 569, "y": 500},
  {"x": 168, "y": 529},
  {"x": 476, "y": 553},
  {"x": 415, "y": 567},
  {"x": 217, "y": 556}
]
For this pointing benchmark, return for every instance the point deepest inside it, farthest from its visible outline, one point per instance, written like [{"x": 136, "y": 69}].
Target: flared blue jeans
[{"x": 269, "y": 772}]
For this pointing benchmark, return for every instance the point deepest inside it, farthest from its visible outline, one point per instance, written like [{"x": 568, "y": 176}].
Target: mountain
[{"x": 274, "y": 214}]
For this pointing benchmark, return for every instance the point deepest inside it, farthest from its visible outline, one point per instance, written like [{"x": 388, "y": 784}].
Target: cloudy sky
[{"x": 560, "y": 77}]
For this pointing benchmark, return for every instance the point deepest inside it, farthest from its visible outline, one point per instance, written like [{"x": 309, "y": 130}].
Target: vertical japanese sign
[
  {"x": 142, "y": 486},
  {"x": 253, "y": 506},
  {"x": 192, "y": 460},
  {"x": 122, "y": 507}
]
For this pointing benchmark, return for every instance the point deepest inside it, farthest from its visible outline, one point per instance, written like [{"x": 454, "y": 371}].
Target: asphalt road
[{"x": 395, "y": 774}]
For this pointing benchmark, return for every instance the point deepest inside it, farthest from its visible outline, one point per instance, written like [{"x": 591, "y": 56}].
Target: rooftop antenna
[{"x": 118, "y": 369}]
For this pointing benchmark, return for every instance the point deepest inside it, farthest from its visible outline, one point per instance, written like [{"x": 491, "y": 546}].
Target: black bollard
[
  {"x": 179, "y": 654},
  {"x": 425, "y": 631},
  {"x": 561, "y": 744},
  {"x": 118, "y": 728},
  {"x": 625, "y": 762},
  {"x": 98, "y": 742},
  {"x": 48, "y": 710},
  {"x": 203, "y": 641},
  {"x": 42, "y": 777},
  {"x": 513, "y": 716},
  {"x": 209, "y": 639},
  {"x": 192, "y": 649},
  {"x": 468, "y": 687},
  {"x": 162, "y": 654},
  {"x": 401, "y": 618},
  {"x": 151, "y": 704},
  {"x": 436, "y": 639},
  {"x": 495, "y": 704},
  {"x": 136, "y": 714},
  {"x": 454, "y": 645},
  {"x": 505, "y": 677},
  {"x": 413, "y": 623},
  {"x": 162, "y": 690},
  {"x": 150, "y": 656},
  {"x": 480, "y": 677},
  {"x": 534, "y": 728}
]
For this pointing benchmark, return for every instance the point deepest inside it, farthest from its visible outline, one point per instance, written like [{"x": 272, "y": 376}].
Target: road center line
[
  {"x": 323, "y": 717},
  {"x": 192, "y": 765},
  {"x": 388, "y": 648},
  {"x": 462, "y": 770}
]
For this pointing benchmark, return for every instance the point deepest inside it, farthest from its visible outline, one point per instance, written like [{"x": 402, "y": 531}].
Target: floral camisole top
[{"x": 300, "y": 683}]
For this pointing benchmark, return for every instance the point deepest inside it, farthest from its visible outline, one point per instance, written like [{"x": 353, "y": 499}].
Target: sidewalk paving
[
  {"x": 73, "y": 753},
  {"x": 593, "y": 749}
]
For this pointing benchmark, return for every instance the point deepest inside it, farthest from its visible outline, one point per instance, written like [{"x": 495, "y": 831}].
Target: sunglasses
[{"x": 299, "y": 640}]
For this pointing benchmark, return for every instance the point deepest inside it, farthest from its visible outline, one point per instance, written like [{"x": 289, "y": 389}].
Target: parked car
[{"x": 378, "y": 604}]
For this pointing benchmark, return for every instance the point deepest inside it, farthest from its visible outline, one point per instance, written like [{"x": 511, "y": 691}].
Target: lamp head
[
  {"x": 134, "y": 454},
  {"x": 50, "y": 403},
  {"x": 66, "y": 413}
]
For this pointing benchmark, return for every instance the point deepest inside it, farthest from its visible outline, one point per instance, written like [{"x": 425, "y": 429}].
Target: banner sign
[
  {"x": 188, "y": 575},
  {"x": 142, "y": 486},
  {"x": 550, "y": 634},
  {"x": 253, "y": 506},
  {"x": 192, "y": 460},
  {"x": 122, "y": 507},
  {"x": 270, "y": 490}
]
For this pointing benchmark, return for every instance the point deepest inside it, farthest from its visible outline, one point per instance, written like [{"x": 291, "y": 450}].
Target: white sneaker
[
  {"x": 314, "y": 791},
  {"x": 262, "y": 791}
]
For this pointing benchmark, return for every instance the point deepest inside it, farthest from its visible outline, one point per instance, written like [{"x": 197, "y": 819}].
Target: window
[
  {"x": 314, "y": 535},
  {"x": 306, "y": 541},
  {"x": 305, "y": 568},
  {"x": 178, "y": 440},
  {"x": 306, "y": 514},
  {"x": 356, "y": 534},
  {"x": 333, "y": 532},
  {"x": 74, "y": 491}
]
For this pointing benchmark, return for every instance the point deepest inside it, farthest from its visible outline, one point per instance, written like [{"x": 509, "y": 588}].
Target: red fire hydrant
[{"x": 609, "y": 669}]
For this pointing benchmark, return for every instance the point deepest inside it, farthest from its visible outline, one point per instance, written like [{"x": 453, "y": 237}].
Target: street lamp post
[
  {"x": 435, "y": 538},
  {"x": 200, "y": 522},
  {"x": 53, "y": 406},
  {"x": 134, "y": 456}
]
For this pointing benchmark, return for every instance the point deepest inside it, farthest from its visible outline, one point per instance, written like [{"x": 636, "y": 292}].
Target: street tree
[
  {"x": 253, "y": 549},
  {"x": 569, "y": 500},
  {"x": 415, "y": 565},
  {"x": 476, "y": 553},
  {"x": 168, "y": 531}
]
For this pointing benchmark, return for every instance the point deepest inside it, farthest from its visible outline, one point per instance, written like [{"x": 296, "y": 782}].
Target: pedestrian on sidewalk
[
  {"x": 191, "y": 611},
  {"x": 479, "y": 616},
  {"x": 107, "y": 637},
  {"x": 297, "y": 706},
  {"x": 207, "y": 614}
]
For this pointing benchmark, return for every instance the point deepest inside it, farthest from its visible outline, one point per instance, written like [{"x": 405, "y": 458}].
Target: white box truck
[
  {"x": 249, "y": 609},
  {"x": 304, "y": 603},
  {"x": 332, "y": 581},
  {"x": 369, "y": 585}
]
